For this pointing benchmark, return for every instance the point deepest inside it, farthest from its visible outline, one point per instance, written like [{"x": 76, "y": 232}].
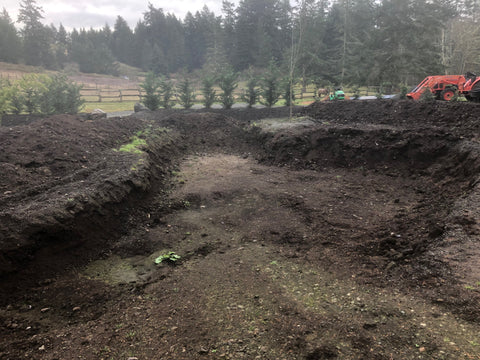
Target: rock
[
  {"x": 140, "y": 107},
  {"x": 41, "y": 348},
  {"x": 203, "y": 351},
  {"x": 97, "y": 114}
]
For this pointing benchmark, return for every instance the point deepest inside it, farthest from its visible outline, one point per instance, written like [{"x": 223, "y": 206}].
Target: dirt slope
[{"x": 351, "y": 232}]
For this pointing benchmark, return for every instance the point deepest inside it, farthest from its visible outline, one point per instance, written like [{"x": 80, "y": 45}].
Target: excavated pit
[{"x": 350, "y": 231}]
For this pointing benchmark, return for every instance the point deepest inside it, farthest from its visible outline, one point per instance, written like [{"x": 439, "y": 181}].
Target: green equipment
[{"x": 338, "y": 94}]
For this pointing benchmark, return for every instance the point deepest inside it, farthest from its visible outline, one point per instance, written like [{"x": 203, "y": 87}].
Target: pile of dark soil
[
  {"x": 61, "y": 180},
  {"x": 458, "y": 118}
]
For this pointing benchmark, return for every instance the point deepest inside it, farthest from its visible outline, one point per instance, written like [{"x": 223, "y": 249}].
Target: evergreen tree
[
  {"x": 227, "y": 81},
  {"x": 122, "y": 41},
  {"x": 36, "y": 40},
  {"x": 288, "y": 93},
  {"x": 61, "y": 47},
  {"x": 251, "y": 93},
  {"x": 166, "y": 90},
  {"x": 209, "y": 93},
  {"x": 200, "y": 35},
  {"x": 404, "y": 27},
  {"x": 186, "y": 93},
  {"x": 270, "y": 87},
  {"x": 10, "y": 42},
  {"x": 261, "y": 32},
  {"x": 167, "y": 32},
  {"x": 151, "y": 86},
  {"x": 228, "y": 26},
  {"x": 90, "y": 50}
]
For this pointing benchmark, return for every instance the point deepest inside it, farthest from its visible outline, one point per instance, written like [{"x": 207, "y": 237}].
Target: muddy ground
[{"x": 348, "y": 232}]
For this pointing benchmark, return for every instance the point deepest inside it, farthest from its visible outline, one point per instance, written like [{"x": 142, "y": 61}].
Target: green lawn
[{"x": 109, "y": 106}]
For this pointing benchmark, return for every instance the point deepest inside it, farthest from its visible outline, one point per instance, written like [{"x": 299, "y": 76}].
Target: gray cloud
[{"x": 97, "y": 13}]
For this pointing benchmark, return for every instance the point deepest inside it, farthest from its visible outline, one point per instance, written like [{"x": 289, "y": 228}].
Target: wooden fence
[
  {"x": 91, "y": 95},
  {"x": 111, "y": 95}
]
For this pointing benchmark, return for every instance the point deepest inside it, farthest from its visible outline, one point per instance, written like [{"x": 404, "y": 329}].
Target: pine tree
[
  {"x": 227, "y": 81},
  {"x": 10, "y": 43},
  {"x": 36, "y": 42},
  {"x": 186, "y": 93},
  {"x": 151, "y": 85},
  {"x": 209, "y": 93},
  {"x": 270, "y": 86}
]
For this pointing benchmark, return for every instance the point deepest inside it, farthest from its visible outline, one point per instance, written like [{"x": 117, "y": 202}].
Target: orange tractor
[{"x": 445, "y": 87}]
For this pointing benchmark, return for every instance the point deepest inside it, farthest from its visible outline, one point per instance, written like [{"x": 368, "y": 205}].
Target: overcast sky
[{"x": 96, "y": 13}]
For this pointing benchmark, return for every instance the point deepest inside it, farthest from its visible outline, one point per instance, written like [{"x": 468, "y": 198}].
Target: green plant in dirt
[
  {"x": 186, "y": 93},
  {"x": 227, "y": 82},
  {"x": 209, "y": 93},
  {"x": 133, "y": 146},
  {"x": 131, "y": 334},
  {"x": 169, "y": 257},
  {"x": 379, "y": 94},
  {"x": 269, "y": 85},
  {"x": 166, "y": 88},
  {"x": 427, "y": 96},
  {"x": 151, "y": 86}
]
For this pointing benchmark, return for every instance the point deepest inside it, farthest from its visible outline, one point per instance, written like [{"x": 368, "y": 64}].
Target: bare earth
[{"x": 350, "y": 232}]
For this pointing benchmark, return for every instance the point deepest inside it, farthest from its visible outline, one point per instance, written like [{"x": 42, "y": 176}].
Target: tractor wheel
[
  {"x": 447, "y": 94},
  {"x": 474, "y": 94}
]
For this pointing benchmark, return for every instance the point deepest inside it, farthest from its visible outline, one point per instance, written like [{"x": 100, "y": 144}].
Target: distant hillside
[{"x": 129, "y": 76}]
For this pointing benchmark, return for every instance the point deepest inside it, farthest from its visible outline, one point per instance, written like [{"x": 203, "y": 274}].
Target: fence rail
[
  {"x": 111, "y": 95},
  {"x": 91, "y": 95}
]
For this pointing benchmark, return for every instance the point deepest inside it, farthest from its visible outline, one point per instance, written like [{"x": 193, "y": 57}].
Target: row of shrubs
[
  {"x": 159, "y": 92},
  {"x": 40, "y": 94}
]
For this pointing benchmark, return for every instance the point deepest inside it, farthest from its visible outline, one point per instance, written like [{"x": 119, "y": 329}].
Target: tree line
[{"x": 337, "y": 42}]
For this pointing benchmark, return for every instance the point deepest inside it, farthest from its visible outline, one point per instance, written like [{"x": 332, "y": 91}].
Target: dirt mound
[
  {"x": 62, "y": 179},
  {"x": 458, "y": 118},
  {"x": 206, "y": 131}
]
